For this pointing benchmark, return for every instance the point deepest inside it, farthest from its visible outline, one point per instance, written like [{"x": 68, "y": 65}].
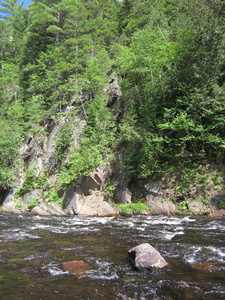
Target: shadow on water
[{"x": 32, "y": 250}]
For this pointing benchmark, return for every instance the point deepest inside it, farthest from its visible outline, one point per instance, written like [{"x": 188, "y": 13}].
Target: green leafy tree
[
  {"x": 96, "y": 145},
  {"x": 10, "y": 136}
]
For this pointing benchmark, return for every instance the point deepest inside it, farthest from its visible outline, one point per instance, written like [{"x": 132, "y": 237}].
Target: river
[{"x": 33, "y": 248}]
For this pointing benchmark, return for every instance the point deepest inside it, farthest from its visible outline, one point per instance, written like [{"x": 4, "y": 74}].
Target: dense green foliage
[{"x": 168, "y": 55}]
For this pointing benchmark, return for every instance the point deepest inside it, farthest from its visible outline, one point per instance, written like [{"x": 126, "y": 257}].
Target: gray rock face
[
  {"x": 197, "y": 206},
  {"x": 72, "y": 200},
  {"x": 9, "y": 196},
  {"x": 153, "y": 187},
  {"x": 158, "y": 206},
  {"x": 94, "y": 205},
  {"x": 121, "y": 181},
  {"x": 9, "y": 207},
  {"x": 39, "y": 211},
  {"x": 147, "y": 257},
  {"x": 35, "y": 194},
  {"x": 91, "y": 183},
  {"x": 87, "y": 198},
  {"x": 47, "y": 210}
]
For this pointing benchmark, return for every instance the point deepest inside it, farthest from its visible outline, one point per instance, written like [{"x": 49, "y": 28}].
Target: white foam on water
[
  {"x": 102, "y": 263},
  {"x": 39, "y": 217},
  {"x": 168, "y": 220},
  {"x": 217, "y": 254},
  {"x": 30, "y": 236},
  {"x": 140, "y": 228},
  {"x": 214, "y": 225},
  {"x": 188, "y": 219},
  {"x": 191, "y": 257},
  {"x": 54, "y": 270},
  {"x": 129, "y": 223},
  {"x": 103, "y": 220},
  {"x": 40, "y": 226},
  {"x": 103, "y": 276},
  {"x": 103, "y": 271},
  {"x": 171, "y": 235},
  {"x": 163, "y": 221},
  {"x": 180, "y": 228},
  {"x": 71, "y": 248},
  {"x": 63, "y": 229},
  {"x": 78, "y": 221},
  {"x": 35, "y": 256},
  {"x": 124, "y": 297},
  {"x": 17, "y": 234}
]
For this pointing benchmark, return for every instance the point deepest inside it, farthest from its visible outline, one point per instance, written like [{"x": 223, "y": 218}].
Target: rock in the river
[
  {"x": 207, "y": 266},
  {"x": 147, "y": 257},
  {"x": 76, "y": 267}
]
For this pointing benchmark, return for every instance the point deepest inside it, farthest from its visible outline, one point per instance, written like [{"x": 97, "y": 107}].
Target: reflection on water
[{"x": 32, "y": 250}]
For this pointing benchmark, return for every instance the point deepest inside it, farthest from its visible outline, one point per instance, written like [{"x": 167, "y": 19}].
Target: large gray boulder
[
  {"x": 147, "y": 257},
  {"x": 37, "y": 210},
  {"x": 94, "y": 205},
  {"x": 10, "y": 207},
  {"x": 47, "y": 210}
]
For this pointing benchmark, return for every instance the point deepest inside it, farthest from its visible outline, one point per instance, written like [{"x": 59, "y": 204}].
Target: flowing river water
[{"x": 33, "y": 248}]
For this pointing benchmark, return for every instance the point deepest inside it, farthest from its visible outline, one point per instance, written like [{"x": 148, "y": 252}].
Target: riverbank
[{"x": 123, "y": 210}]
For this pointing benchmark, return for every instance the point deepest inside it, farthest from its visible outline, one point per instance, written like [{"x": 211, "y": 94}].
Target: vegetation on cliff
[{"x": 58, "y": 57}]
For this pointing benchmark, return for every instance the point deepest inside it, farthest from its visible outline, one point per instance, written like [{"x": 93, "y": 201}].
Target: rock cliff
[{"x": 38, "y": 190}]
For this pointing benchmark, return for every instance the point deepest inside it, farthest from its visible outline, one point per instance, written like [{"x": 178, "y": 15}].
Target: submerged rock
[
  {"x": 147, "y": 257},
  {"x": 76, "y": 267},
  {"x": 207, "y": 266}
]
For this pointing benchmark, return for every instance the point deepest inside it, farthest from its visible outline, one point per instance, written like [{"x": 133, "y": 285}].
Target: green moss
[
  {"x": 32, "y": 203},
  {"x": 19, "y": 203},
  {"x": 125, "y": 208},
  {"x": 222, "y": 203},
  {"x": 205, "y": 201},
  {"x": 53, "y": 196},
  {"x": 133, "y": 207},
  {"x": 110, "y": 188}
]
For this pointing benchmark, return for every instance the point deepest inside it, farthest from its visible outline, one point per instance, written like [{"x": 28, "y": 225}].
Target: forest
[{"x": 58, "y": 57}]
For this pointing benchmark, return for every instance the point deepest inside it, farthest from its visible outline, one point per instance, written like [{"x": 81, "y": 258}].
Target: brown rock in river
[
  {"x": 147, "y": 257},
  {"x": 208, "y": 266},
  {"x": 76, "y": 267}
]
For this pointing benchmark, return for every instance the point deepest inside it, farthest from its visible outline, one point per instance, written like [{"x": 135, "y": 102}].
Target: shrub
[{"x": 133, "y": 207}]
